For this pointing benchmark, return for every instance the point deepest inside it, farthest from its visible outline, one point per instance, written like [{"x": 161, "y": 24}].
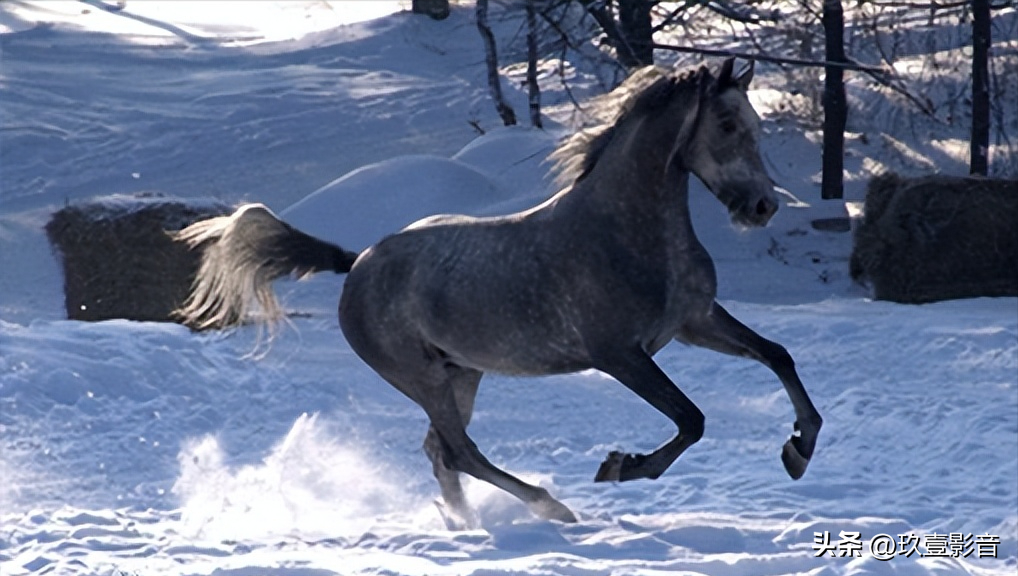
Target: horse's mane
[{"x": 645, "y": 91}]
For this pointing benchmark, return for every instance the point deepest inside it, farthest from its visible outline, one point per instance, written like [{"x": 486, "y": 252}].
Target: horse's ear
[
  {"x": 704, "y": 81},
  {"x": 746, "y": 77},
  {"x": 725, "y": 76}
]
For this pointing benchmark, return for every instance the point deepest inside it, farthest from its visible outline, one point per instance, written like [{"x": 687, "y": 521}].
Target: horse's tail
[{"x": 241, "y": 255}]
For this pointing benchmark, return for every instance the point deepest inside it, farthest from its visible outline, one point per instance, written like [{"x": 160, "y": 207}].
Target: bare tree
[
  {"x": 601, "y": 12},
  {"x": 491, "y": 59},
  {"x": 835, "y": 104},
  {"x": 628, "y": 26},
  {"x": 532, "y": 86},
  {"x": 637, "y": 29},
  {"x": 979, "y": 146}
]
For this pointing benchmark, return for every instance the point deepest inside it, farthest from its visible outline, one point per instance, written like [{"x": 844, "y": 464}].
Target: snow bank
[{"x": 358, "y": 209}]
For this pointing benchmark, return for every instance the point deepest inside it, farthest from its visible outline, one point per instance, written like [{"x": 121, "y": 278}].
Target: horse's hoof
[
  {"x": 611, "y": 469},
  {"x": 552, "y": 509},
  {"x": 456, "y": 520},
  {"x": 793, "y": 459}
]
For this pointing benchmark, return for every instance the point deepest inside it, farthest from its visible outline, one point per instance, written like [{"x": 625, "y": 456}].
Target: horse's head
[{"x": 721, "y": 146}]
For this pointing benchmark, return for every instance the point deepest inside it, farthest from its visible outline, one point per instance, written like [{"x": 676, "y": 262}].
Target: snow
[
  {"x": 142, "y": 448},
  {"x": 382, "y": 198},
  {"x": 158, "y": 22}
]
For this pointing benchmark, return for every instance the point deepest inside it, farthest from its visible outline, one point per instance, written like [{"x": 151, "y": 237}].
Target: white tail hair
[{"x": 242, "y": 254}]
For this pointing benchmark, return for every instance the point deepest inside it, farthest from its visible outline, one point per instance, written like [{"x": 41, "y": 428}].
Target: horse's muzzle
[{"x": 754, "y": 214}]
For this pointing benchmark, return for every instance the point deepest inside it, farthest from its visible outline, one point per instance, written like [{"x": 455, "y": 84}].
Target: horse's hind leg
[
  {"x": 638, "y": 372},
  {"x": 438, "y": 398},
  {"x": 719, "y": 331},
  {"x": 455, "y": 510}
]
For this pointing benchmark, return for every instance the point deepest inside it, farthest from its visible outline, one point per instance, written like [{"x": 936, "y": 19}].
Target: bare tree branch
[
  {"x": 936, "y": 5},
  {"x": 882, "y": 76},
  {"x": 847, "y": 65},
  {"x": 739, "y": 13},
  {"x": 669, "y": 18}
]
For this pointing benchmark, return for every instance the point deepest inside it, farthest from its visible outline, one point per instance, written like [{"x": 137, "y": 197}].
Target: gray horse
[{"x": 602, "y": 275}]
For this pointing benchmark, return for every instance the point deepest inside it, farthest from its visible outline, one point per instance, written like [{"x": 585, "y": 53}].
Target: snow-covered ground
[{"x": 141, "y": 448}]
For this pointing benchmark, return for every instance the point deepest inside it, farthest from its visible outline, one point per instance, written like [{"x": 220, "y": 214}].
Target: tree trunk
[
  {"x": 638, "y": 29},
  {"x": 437, "y": 9},
  {"x": 491, "y": 59},
  {"x": 835, "y": 104},
  {"x": 979, "y": 147},
  {"x": 532, "y": 86},
  {"x": 616, "y": 39}
]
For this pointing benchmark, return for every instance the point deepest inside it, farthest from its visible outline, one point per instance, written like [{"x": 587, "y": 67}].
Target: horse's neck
[{"x": 632, "y": 186}]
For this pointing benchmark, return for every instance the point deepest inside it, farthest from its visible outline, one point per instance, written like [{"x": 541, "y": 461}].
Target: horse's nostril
[{"x": 765, "y": 207}]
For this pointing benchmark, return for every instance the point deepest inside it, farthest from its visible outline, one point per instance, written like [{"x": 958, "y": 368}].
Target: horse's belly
[
  {"x": 527, "y": 366},
  {"x": 507, "y": 344}
]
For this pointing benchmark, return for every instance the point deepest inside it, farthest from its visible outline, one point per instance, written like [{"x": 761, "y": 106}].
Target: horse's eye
[{"x": 728, "y": 126}]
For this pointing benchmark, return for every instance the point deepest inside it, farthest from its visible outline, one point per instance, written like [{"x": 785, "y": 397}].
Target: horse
[{"x": 601, "y": 275}]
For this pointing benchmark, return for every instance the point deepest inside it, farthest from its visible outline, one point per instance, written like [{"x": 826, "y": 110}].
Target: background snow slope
[{"x": 143, "y": 448}]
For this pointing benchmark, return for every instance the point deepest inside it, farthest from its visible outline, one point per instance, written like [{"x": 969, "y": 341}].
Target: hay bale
[
  {"x": 118, "y": 261},
  {"x": 435, "y": 9},
  {"x": 938, "y": 238}
]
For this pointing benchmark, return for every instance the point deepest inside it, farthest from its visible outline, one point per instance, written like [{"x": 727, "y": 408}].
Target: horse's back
[{"x": 478, "y": 291}]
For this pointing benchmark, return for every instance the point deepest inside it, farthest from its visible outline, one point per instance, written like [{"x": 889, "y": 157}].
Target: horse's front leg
[
  {"x": 719, "y": 331},
  {"x": 638, "y": 372}
]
